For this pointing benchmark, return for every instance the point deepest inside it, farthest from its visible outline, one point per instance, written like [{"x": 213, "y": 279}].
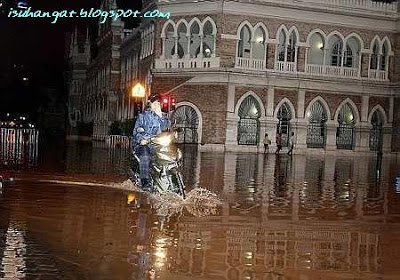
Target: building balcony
[
  {"x": 327, "y": 70},
  {"x": 187, "y": 63},
  {"x": 377, "y": 75},
  {"x": 250, "y": 63},
  {"x": 285, "y": 66}
]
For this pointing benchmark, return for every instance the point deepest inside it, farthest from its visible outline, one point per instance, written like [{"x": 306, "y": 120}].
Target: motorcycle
[{"x": 165, "y": 174}]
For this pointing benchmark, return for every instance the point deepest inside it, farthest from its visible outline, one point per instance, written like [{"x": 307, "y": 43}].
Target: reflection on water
[{"x": 281, "y": 218}]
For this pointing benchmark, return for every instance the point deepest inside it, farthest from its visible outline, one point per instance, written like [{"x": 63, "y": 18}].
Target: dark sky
[{"x": 38, "y": 45}]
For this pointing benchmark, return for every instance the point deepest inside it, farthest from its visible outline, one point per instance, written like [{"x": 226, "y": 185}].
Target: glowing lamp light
[
  {"x": 165, "y": 100},
  {"x": 320, "y": 45},
  {"x": 259, "y": 39},
  {"x": 138, "y": 91}
]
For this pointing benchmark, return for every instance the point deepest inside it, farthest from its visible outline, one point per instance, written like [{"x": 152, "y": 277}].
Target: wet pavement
[{"x": 305, "y": 217}]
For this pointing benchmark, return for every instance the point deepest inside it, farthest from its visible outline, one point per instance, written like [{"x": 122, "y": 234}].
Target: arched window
[
  {"x": 291, "y": 48},
  {"x": 195, "y": 39},
  {"x": 169, "y": 48},
  {"x": 376, "y": 135},
  {"x": 384, "y": 57},
  {"x": 182, "y": 40},
  {"x": 244, "y": 42},
  {"x": 249, "y": 127},
  {"x": 345, "y": 131},
  {"x": 316, "y": 129},
  {"x": 282, "y": 46},
  {"x": 316, "y": 51},
  {"x": 374, "y": 57},
  {"x": 336, "y": 55},
  {"x": 284, "y": 116},
  {"x": 259, "y": 44},
  {"x": 186, "y": 118},
  {"x": 208, "y": 39},
  {"x": 352, "y": 52}
]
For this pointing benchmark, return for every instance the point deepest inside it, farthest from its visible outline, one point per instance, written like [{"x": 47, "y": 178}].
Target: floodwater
[{"x": 305, "y": 217}]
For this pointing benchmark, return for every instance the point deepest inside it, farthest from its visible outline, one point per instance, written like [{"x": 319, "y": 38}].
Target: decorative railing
[
  {"x": 377, "y": 74},
  {"x": 250, "y": 63},
  {"x": 285, "y": 66},
  {"x": 327, "y": 70},
  {"x": 190, "y": 63}
]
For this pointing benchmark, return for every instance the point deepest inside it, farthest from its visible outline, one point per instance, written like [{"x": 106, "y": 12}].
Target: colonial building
[{"x": 325, "y": 70}]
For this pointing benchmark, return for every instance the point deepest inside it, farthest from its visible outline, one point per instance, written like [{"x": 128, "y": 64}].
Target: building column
[
  {"x": 231, "y": 119},
  {"x": 270, "y": 122},
  {"x": 364, "y": 128},
  {"x": 388, "y": 129},
  {"x": 331, "y": 129},
  {"x": 301, "y": 125}
]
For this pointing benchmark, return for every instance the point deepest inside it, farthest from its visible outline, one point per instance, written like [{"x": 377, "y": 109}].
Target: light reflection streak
[{"x": 13, "y": 261}]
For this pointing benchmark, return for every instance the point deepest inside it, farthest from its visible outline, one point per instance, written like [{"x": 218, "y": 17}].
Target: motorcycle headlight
[
  {"x": 164, "y": 157},
  {"x": 165, "y": 140},
  {"x": 179, "y": 152}
]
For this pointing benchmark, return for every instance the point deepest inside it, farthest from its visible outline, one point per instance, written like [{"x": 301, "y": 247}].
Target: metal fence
[
  {"x": 19, "y": 145},
  {"x": 119, "y": 141}
]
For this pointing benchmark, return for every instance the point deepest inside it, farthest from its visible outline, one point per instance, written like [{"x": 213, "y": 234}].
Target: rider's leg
[{"x": 144, "y": 166}]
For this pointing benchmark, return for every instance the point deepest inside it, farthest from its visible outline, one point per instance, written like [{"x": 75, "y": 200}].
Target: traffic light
[
  {"x": 165, "y": 103},
  {"x": 168, "y": 103},
  {"x": 173, "y": 103}
]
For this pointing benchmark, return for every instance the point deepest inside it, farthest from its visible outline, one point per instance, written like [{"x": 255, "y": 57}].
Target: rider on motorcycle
[{"x": 150, "y": 123}]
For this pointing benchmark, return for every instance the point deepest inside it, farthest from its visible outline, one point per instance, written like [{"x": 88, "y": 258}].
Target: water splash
[{"x": 199, "y": 202}]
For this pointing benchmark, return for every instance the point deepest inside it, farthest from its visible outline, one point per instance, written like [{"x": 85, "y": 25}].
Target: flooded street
[{"x": 305, "y": 217}]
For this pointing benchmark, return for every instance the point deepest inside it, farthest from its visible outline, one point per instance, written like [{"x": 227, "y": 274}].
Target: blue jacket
[{"x": 152, "y": 125}]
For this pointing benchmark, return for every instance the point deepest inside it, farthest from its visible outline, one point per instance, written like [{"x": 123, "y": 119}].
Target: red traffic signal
[{"x": 167, "y": 103}]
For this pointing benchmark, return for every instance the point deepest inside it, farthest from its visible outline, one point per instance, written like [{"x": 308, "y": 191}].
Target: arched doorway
[
  {"x": 376, "y": 135},
  {"x": 186, "y": 118},
  {"x": 345, "y": 131},
  {"x": 284, "y": 116},
  {"x": 249, "y": 125},
  {"x": 316, "y": 128}
]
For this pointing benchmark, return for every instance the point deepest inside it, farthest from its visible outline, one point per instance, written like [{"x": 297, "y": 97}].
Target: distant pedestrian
[
  {"x": 278, "y": 141},
  {"x": 291, "y": 143},
  {"x": 267, "y": 142}
]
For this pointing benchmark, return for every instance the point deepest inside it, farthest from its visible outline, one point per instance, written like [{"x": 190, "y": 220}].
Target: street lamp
[{"x": 138, "y": 93}]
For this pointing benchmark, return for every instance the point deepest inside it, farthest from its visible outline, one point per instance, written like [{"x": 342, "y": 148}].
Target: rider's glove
[{"x": 144, "y": 142}]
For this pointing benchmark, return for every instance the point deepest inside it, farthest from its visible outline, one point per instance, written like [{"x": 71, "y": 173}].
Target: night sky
[{"x": 34, "y": 48}]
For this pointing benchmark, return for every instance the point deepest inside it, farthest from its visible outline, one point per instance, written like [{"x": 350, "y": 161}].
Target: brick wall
[
  {"x": 270, "y": 56},
  {"x": 383, "y": 101},
  {"x": 396, "y": 126},
  {"x": 301, "y": 57},
  {"x": 209, "y": 99},
  {"x": 396, "y": 59},
  {"x": 364, "y": 65}
]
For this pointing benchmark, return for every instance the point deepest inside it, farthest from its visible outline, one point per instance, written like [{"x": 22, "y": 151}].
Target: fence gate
[
  {"x": 316, "y": 129},
  {"x": 316, "y": 135},
  {"x": 345, "y": 131},
  {"x": 283, "y": 126},
  {"x": 186, "y": 119},
  {"x": 345, "y": 137},
  {"x": 18, "y": 146},
  {"x": 248, "y": 132},
  {"x": 248, "y": 126}
]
